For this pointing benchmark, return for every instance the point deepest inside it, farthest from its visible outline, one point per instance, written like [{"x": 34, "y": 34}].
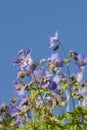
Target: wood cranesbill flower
[
  {"x": 45, "y": 78},
  {"x": 78, "y": 59},
  {"x": 41, "y": 76},
  {"x": 3, "y": 109},
  {"x": 84, "y": 102},
  {"x": 81, "y": 60},
  {"x": 23, "y": 57},
  {"x": 56, "y": 79},
  {"x": 19, "y": 87},
  {"x": 53, "y": 83},
  {"x": 55, "y": 62},
  {"x": 18, "y": 109},
  {"x": 83, "y": 90},
  {"x": 24, "y": 62},
  {"x": 53, "y": 40},
  {"x": 13, "y": 110},
  {"x": 80, "y": 75}
]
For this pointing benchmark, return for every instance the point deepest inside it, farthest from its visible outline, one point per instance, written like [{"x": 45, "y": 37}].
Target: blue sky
[{"x": 29, "y": 23}]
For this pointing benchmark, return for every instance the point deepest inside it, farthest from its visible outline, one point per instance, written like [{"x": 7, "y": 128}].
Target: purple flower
[
  {"x": 20, "y": 120},
  {"x": 13, "y": 110},
  {"x": 2, "y": 105},
  {"x": 55, "y": 62},
  {"x": 19, "y": 106},
  {"x": 31, "y": 68},
  {"x": 56, "y": 79},
  {"x": 45, "y": 78},
  {"x": 19, "y": 87},
  {"x": 82, "y": 60},
  {"x": 58, "y": 90},
  {"x": 53, "y": 40},
  {"x": 83, "y": 90},
  {"x": 16, "y": 109},
  {"x": 24, "y": 52},
  {"x": 79, "y": 59},
  {"x": 21, "y": 73},
  {"x": 84, "y": 102},
  {"x": 24, "y": 63},
  {"x": 3, "y": 111},
  {"x": 80, "y": 75},
  {"x": 54, "y": 57},
  {"x": 24, "y": 56},
  {"x": 41, "y": 75},
  {"x": 52, "y": 85},
  {"x": 27, "y": 70}
]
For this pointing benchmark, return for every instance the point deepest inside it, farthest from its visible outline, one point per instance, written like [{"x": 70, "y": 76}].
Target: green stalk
[{"x": 68, "y": 91}]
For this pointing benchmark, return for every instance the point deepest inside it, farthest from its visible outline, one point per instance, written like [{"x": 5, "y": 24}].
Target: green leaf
[
  {"x": 85, "y": 117},
  {"x": 75, "y": 127},
  {"x": 1, "y": 127},
  {"x": 21, "y": 128}
]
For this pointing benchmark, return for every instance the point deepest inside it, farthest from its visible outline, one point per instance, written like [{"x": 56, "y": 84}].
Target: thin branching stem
[
  {"x": 68, "y": 72},
  {"x": 40, "y": 92}
]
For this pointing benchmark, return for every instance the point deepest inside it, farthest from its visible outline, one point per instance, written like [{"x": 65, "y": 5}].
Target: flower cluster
[{"x": 44, "y": 87}]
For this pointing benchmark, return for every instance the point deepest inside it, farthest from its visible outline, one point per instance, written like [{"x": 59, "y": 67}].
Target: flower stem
[
  {"x": 38, "y": 85},
  {"x": 69, "y": 91}
]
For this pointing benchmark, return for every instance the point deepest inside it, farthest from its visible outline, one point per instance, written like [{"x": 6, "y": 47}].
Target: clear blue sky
[{"x": 28, "y": 23}]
